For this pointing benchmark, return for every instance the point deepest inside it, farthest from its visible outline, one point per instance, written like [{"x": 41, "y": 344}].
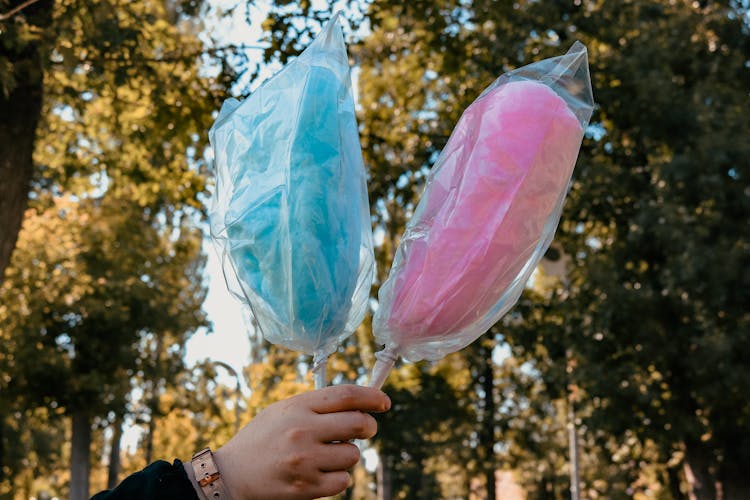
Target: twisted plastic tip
[
  {"x": 319, "y": 370},
  {"x": 385, "y": 361}
]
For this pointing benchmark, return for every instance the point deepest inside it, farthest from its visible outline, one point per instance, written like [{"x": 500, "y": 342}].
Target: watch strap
[{"x": 208, "y": 476}]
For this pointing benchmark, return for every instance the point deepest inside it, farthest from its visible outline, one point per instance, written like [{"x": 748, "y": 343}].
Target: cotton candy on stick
[
  {"x": 488, "y": 212},
  {"x": 486, "y": 221},
  {"x": 290, "y": 213}
]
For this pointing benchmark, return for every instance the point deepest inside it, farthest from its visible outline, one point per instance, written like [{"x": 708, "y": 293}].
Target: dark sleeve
[{"x": 160, "y": 480}]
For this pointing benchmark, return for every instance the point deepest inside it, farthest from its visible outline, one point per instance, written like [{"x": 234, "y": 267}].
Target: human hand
[{"x": 298, "y": 448}]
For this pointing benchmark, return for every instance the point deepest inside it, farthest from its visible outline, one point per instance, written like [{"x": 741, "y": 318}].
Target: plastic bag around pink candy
[{"x": 488, "y": 213}]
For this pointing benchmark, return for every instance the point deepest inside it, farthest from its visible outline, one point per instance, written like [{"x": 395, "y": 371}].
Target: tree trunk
[
  {"x": 575, "y": 483},
  {"x": 488, "y": 420},
  {"x": 80, "y": 456},
  {"x": 385, "y": 487},
  {"x": 673, "y": 474},
  {"x": 19, "y": 115},
  {"x": 2, "y": 446},
  {"x": 697, "y": 467},
  {"x": 150, "y": 438},
  {"x": 113, "y": 470}
]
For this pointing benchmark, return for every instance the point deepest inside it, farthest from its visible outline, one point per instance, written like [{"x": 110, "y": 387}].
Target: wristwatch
[{"x": 208, "y": 476}]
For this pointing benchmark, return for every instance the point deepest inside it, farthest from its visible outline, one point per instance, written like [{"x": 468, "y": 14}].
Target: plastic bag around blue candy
[{"x": 290, "y": 214}]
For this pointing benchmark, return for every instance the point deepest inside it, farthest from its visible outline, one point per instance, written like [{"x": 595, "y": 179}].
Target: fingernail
[{"x": 387, "y": 403}]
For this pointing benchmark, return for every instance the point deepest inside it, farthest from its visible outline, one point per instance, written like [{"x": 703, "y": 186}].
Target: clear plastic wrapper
[
  {"x": 488, "y": 213},
  {"x": 289, "y": 214}
]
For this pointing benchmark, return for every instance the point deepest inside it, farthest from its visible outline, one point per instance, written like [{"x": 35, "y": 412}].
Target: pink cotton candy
[
  {"x": 488, "y": 213},
  {"x": 504, "y": 170}
]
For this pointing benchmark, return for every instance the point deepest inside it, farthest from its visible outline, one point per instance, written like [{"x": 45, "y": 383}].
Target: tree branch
[
  {"x": 167, "y": 58},
  {"x": 13, "y": 12}
]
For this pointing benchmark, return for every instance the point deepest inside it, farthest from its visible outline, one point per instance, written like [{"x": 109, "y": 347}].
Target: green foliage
[
  {"x": 76, "y": 310},
  {"x": 655, "y": 300},
  {"x": 426, "y": 421},
  {"x": 20, "y": 36},
  {"x": 106, "y": 283},
  {"x": 34, "y": 440},
  {"x": 126, "y": 107},
  {"x": 90, "y": 283}
]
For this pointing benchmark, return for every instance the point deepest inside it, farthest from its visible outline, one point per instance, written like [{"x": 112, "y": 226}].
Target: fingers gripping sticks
[
  {"x": 290, "y": 214},
  {"x": 488, "y": 212}
]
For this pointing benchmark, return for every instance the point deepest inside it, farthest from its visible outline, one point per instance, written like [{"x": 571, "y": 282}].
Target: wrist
[{"x": 224, "y": 462}]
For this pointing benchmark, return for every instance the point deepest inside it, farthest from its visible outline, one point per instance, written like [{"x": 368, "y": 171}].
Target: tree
[
  {"x": 22, "y": 52},
  {"x": 538, "y": 407},
  {"x": 76, "y": 312},
  {"x": 34, "y": 441},
  {"x": 112, "y": 102},
  {"x": 655, "y": 336},
  {"x": 85, "y": 84},
  {"x": 426, "y": 414}
]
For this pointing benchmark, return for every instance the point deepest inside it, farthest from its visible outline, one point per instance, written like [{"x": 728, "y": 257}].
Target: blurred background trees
[
  {"x": 105, "y": 284},
  {"x": 634, "y": 331}
]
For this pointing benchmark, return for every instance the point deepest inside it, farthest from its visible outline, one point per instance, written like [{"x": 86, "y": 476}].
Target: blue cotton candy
[{"x": 290, "y": 210}]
